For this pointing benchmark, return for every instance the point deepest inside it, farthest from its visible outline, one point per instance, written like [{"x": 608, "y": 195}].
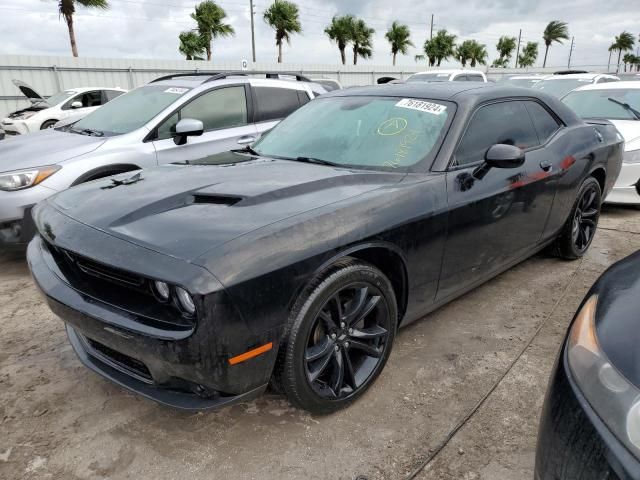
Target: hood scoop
[{"x": 213, "y": 199}]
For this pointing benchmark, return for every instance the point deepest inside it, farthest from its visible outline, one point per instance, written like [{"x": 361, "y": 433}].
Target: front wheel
[
  {"x": 578, "y": 231},
  {"x": 339, "y": 337},
  {"x": 48, "y": 124}
]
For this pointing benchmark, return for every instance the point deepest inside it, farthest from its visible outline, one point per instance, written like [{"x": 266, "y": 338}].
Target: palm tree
[
  {"x": 529, "y": 55},
  {"x": 463, "y": 53},
  {"x": 612, "y": 48},
  {"x": 623, "y": 43},
  {"x": 361, "y": 38},
  {"x": 399, "y": 36},
  {"x": 505, "y": 46},
  {"x": 284, "y": 18},
  {"x": 67, "y": 8},
  {"x": 191, "y": 45},
  {"x": 440, "y": 47},
  {"x": 478, "y": 54},
  {"x": 556, "y": 31},
  {"x": 209, "y": 18},
  {"x": 628, "y": 59},
  {"x": 340, "y": 32}
]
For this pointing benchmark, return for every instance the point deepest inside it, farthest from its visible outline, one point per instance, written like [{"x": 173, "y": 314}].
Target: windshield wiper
[
  {"x": 246, "y": 149},
  {"x": 88, "y": 131},
  {"x": 317, "y": 161},
  {"x": 627, "y": 107}
]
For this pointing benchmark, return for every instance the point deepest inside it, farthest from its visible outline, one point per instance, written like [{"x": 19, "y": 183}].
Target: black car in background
[
  {"x": 590, "y": 426},
  {"x": 296, "y": 261}
]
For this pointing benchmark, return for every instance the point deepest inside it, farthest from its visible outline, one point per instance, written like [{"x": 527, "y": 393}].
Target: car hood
[
  {"x": 630, "y": 130},
  {"x": 186, "y": 210},
  {"x": 28, "y": 91},
  {"x": 45, "y": 147}
]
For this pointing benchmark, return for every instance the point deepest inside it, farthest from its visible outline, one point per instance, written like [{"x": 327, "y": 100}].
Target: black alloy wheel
[
  {"x": 579, "y": 229},
  {"x": 585, "y": 219},
  {"x": 338, "y": 338},
  {"x": 347, "y": 340}
]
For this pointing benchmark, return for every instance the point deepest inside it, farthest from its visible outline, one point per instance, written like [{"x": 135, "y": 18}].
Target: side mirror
[
  {"x": 504, "y": 156},
  {"x": 187, "y": 127},
  {"x": 76, "y": 104}
]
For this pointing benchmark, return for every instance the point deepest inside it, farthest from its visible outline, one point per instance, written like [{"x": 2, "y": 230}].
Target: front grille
[
  {"x": 104, "y": 272},
  {"x": 119, "y": 288},
  {"x": 125, "y": 362}
]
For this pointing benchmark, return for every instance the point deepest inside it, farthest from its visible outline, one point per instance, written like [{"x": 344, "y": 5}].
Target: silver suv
[{"x": 174, "y": 118}]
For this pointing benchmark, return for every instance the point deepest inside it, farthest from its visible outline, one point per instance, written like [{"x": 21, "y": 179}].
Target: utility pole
[
  {"x": 570, "y": 52},
  {"x": 431, "y": 34},
  {"x": 253, "y": 35},
  {"x": 518, "y": 50}
]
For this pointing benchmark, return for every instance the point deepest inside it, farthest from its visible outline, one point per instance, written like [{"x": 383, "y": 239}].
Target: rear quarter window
[
  {"x": 275, "y": 103},
  {"x": 546, "y": 125}
]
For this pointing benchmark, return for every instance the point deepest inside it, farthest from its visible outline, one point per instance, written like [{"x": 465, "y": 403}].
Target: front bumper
[
  {"x": 16, "y": 224},
  {"x": 573, "y": 442},
  {"x": 625, "y": 190},
  {"x": 14, "y": 127},
  {"x": 187, "y": 370}
]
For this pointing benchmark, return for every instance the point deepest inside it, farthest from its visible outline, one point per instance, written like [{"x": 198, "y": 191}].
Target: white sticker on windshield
[
  {"x": 421, "y": 106},
  {"x": 176, "y": 90}
]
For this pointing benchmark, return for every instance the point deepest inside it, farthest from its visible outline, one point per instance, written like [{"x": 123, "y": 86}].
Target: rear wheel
[
  {"x": 48, "y": 124},
  {"x": 338, "y": 339},
  {"x": 578, "y": 231}
]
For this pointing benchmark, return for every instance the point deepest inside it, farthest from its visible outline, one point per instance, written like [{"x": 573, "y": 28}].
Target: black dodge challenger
[
  {"x": 295, "y": 261},
  {"x": 590, "y": 425}
]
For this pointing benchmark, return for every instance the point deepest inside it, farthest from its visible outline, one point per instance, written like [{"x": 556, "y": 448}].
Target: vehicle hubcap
[
  {"x": 585, "y": 219},
  {"x": 347, "y": 341}
]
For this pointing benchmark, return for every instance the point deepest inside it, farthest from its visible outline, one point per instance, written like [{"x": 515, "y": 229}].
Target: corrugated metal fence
[{"x": 49, "y": 75}]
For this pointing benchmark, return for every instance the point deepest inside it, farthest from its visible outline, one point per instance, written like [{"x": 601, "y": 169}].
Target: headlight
[
  {"x": 162, "y": 290},
  {"x": 185, "y": 300},
  {"x": 613, "y": 397},
  {"x": 20, "y": 179},
  {"x": 632, "y": 156}
]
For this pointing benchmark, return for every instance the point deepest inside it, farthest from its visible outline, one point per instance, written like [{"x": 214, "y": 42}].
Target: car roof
[
  {"x": 450, "y": 71},
  {"x": 87, "y": 89},
  {"x": 579, "y": 76},
  {"x": 194, "y": 82},
  {"x": 611, "y": 86}
]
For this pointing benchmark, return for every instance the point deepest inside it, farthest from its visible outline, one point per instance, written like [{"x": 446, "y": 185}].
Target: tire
[
  {"x": 584, "y": 216},
  {"x": 316, "y": 347},
  {"x": 48, "y": 124}
]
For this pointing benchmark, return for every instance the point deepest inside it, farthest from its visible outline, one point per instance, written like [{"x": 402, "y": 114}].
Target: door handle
[
  {"x": 546, "y": 165},
  {"x": 246, "y": 140}
]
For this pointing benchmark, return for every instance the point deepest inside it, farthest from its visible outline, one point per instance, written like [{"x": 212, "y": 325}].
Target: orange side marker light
[{"x": 250, "y": 354}]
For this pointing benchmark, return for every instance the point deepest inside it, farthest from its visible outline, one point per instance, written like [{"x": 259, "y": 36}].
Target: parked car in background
[
  {"x": 526, "y": 81},
  {"x": 44, "y": 112},
  {"x": 630, "y": 77},
  {"x": 590, "y": 424},
  {"x": 560, "y": 84},
  {"x": 618, "y": 102},
  {"x": 174, "y": 118},
  {"x": 447, "y": 76},
  {"x": 329, "y": 84},
  {"x": 295, "y": 261}
]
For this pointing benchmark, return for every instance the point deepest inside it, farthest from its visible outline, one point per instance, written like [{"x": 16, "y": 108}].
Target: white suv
[
  {"x": 448, "y": 76},
  {"x": 69, "y": 105},
  {"x": 175, "y": 118}
]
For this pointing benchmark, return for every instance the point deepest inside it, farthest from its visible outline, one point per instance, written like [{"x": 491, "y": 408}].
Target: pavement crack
[{"x": 469, "y": 415}]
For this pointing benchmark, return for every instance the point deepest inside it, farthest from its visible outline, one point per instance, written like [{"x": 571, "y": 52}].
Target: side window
[
  {"x": 545, "y": 124},
  {"x": 303, "y": 97},
  {"x": 111, "y": 94},
  {"x": 275, "y": 103},
  {"x": 459, "y": 78},
  {"x": 88, "y": 99},
  {"x": 475, "y": 78},
  {"x": 221, "y": 108},
  {"x": 504, "y": 122}
]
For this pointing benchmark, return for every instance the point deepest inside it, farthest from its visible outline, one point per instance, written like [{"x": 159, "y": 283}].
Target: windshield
[
  {"x": 367, "y": 132},
  {"x": 604, "y": 103},
  {"x": 428, "y": 77},
  {"x": 560, "y": 87},
  {"x": 60, "y": 97},
  {"x": 131, "y": 110}
]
